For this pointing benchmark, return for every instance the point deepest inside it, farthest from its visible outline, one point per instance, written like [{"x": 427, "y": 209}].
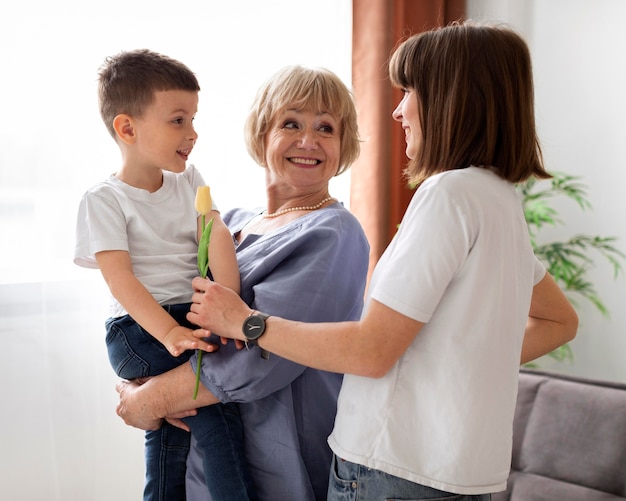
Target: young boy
[{"x": 141, "y": 229}]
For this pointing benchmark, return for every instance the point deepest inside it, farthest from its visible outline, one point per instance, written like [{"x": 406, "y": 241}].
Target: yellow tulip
[{"x": 204, "y": 204}]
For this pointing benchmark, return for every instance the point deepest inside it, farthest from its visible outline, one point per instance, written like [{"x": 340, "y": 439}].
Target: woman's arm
[
  {"x": 552, "y": 320},
  {"x": 169, "y": 394},
  {"x": 357, "y": 347},
  {"x": 360, "y": 347}
]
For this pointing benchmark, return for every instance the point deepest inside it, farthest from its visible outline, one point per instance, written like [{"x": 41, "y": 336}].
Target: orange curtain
[{"x": 378, "y": 193}]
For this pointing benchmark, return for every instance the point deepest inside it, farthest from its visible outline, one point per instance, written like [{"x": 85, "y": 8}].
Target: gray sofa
[{"x": 569, "y": 440}]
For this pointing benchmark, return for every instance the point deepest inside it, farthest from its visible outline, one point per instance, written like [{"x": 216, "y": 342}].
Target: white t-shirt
[
  {"x": 158, "y": 229},
  {"x": 462, "y": 263}
]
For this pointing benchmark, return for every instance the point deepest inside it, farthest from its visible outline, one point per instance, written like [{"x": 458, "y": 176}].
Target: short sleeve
[{"x": 100, "y": 226}]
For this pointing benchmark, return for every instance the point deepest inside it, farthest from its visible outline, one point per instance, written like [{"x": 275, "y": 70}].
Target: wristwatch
[{"x": 253, "y": 328}]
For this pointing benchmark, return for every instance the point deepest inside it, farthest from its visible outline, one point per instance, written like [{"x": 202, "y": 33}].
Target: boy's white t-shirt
[
  {"x": 462, "y": 263},
  {"x": 158, "y": 229}
]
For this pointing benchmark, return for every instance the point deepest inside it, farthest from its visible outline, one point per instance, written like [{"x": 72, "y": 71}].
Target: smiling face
[
  {"x": 165, "y": 132},
  {"x": 160, "y": 139},
  {"x": 407, "y": 113},
  {"x": 302, "y": 150}
]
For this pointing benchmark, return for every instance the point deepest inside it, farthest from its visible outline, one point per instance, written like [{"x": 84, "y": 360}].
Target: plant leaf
[{"x": 568, "y": 261}]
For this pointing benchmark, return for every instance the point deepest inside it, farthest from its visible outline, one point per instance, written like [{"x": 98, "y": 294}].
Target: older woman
[{"x": 304, "y": 257}]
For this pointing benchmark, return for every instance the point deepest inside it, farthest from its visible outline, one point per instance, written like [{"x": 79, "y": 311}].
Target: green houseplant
[{"x": 568, "y": 261}]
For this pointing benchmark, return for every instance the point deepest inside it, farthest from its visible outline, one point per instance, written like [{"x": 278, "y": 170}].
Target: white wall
[
  {"x": 53, "y": 145},
  {"x": 60, "y": 438},
  {"x": 580, "y": 76}
]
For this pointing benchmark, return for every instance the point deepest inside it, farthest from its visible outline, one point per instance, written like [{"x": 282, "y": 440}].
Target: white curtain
[{"x": 61, "y": 439}]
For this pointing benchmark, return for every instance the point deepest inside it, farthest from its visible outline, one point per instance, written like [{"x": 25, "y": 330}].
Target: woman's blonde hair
[
  {"x": 474, "y": 87},
  {"x": 303, "y": 88}
]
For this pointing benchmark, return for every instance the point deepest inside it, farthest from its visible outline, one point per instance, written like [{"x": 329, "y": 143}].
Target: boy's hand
[
  {"x": 238, "y": 343},
  {"x": 203, "y": 333},
  {"x": 180, "y": 339}
]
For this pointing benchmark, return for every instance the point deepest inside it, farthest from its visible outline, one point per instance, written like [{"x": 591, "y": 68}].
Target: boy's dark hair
[
  {"x": 474, "y": 87},
  {"x": 127, "y": 82}
]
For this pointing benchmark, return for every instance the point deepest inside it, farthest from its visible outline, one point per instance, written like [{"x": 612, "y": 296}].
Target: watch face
[{"x": 253, "y": 327}]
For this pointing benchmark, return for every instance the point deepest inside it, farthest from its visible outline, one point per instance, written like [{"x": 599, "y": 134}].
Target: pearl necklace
[{"x": 292, "y": 209}]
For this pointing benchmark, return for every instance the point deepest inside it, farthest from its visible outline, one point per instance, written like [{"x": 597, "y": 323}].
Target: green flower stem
[
  {"x": 195, "y": 391},
  {"x": 203, "y": 268}
]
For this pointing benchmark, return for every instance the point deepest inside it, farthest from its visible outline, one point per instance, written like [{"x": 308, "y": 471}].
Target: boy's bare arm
[
  {"x": 117, "y": 271},
  {"x": 222, "y": 258}
]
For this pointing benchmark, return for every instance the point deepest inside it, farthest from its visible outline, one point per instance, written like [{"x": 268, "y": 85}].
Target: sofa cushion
[
  {"x": 530, "y": 487},
  {"x": 575, "y": 433}
]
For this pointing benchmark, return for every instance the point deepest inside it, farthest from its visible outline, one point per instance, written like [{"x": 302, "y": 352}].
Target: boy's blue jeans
[
  {"x": 134, "y": 353},
  {"x": 351, "y": 482}
]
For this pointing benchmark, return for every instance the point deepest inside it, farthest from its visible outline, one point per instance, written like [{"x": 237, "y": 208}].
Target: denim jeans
[
  {"x": 353, "y": 482},
  {"x": 134, "y": 353}
]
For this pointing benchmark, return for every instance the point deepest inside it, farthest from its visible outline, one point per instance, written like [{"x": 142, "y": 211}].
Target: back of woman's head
[
  {"x": 314, "y": 89},
  {"x": 474, "y": 87}
]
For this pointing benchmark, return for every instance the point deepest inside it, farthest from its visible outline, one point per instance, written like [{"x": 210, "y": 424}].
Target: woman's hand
[
  {"x": 175, "y": 420},
  {"x": 135, "y": 412},
  {"x": 145, "y": 402},
  {"x": 132, "y": 410},
  {"x": 217, "y": 309}
]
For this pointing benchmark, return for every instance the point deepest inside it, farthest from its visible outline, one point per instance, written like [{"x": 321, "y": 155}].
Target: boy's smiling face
[
  {"x": 160, "y": 139},
  {"x": 165, "y": 134}
]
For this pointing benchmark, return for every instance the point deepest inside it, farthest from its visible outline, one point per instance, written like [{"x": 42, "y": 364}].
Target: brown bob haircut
[
  {"x": 316, "y": 89},
  {"x": 128, "y": 81},
  {"x": 474, "y": 87}
]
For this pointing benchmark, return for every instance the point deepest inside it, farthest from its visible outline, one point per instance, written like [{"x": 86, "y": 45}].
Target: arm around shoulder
[{"x": 552, "y": 321}]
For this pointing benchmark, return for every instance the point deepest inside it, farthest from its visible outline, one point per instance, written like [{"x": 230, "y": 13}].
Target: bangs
[
  {"x": 402, "y": 65},
  {"x": 304, "y": 89},
  {"x": 310, "y": 90}
]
